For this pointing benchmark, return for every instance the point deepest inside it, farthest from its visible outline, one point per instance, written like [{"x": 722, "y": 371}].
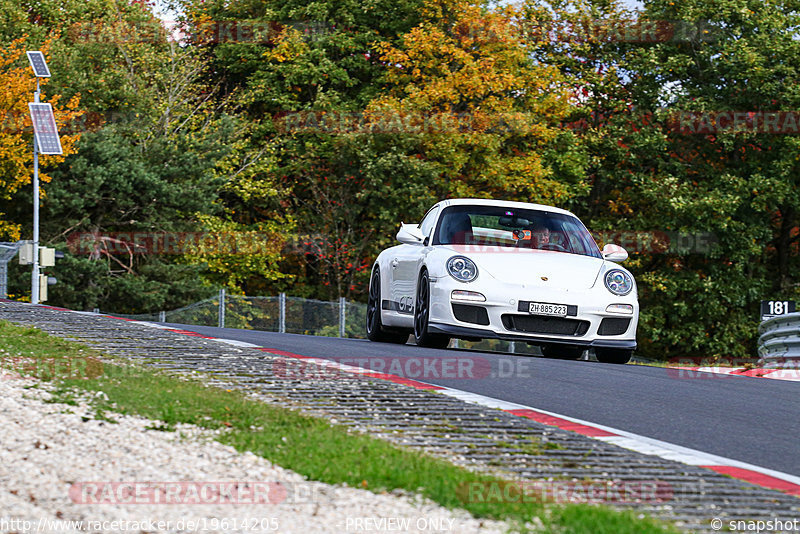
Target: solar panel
[
  {"x": 44, "y": 128},
  {"x": 38, "y": 64}
]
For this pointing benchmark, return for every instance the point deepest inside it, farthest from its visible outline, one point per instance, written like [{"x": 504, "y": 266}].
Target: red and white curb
[
  {"x": 760, "y": 476},
  {"x": 776, "y": 374}
]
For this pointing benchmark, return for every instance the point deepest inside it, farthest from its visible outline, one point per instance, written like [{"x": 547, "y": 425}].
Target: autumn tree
[
  {"x": 16, "y": 133},
  {"x": 472, "y": 64},
  {"x": 344, "y": 195},
  {"x": 155, "y": 157}
]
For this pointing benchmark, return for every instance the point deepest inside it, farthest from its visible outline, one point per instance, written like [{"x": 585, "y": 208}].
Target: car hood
[{"x": 538, "y": 267}]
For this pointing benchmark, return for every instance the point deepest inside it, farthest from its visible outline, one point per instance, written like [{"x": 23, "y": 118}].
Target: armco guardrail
[{"x": 779, "y": 341}]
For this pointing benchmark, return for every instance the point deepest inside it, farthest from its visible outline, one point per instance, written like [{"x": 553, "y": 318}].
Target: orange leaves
[
  {"x": 16, "y": 133},
  {"x": 466, "y": 58},
  {"x": 472, "y": 63}
]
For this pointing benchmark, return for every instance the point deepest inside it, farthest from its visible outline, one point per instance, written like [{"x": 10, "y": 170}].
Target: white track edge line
[
  {"x": 629, "y": 440},
  {"x": 624, "y": 439}
]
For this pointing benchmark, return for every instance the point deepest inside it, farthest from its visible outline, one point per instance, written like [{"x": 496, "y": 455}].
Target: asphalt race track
[{"x": 746, "y": 419}]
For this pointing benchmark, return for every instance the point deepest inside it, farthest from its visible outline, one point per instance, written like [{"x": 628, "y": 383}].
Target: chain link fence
[
  {"x": 282, "y": 313},
  {"x": 294, "y": 315}
]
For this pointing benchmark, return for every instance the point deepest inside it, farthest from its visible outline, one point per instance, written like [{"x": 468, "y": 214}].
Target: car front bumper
[{"x": 588, "y": 323}]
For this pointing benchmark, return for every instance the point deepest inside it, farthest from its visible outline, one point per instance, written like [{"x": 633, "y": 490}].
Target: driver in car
[{"x": 540, "y": 236}]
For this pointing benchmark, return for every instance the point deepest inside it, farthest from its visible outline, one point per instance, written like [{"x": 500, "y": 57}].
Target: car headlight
[
  {"x": 619, "y": 282},
  {"x": 462, "y": 269}
]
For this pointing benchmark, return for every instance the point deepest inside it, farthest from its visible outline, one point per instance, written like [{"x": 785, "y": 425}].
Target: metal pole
[
  {"x": 342, "y": 309},
  {"x": 35, "y": 273},
  {"x": 512, "y": 347},
  {"x": 3, "y": 279},
  {"x": 282, "y": 313},
  {"x": 221, "y": 318},
  {"x": 162, "y": 317}
]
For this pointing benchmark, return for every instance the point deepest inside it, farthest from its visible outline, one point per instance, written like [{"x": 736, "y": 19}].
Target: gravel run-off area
[{"x": 59, "y": 464}]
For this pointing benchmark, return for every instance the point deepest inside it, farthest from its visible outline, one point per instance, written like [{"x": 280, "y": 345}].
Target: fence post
[
  {"x": 282, "y": 313},
  {"x": 342, "y": 311},
  {"x": 221, "y": 313},
  {"x": 7, "y": 253},
  {"x": 3, "y": 279},
  {"x": 162, "y": 317}
]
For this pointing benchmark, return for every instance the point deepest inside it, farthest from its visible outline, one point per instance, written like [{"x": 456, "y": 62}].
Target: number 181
[{"x": 778, "y": 307}]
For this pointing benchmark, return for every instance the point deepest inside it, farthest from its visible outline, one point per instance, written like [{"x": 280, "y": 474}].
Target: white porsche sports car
[{"x": 475, "y": 269}]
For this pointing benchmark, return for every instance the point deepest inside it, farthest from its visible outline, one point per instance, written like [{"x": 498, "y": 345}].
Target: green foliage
[
  {"x": 648, "y": 175},
  {"x": 196, "y": 143}
]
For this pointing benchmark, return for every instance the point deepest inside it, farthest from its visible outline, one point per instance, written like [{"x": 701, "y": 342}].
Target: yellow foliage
[
  {"x": 289, "y": 44},
  {"x": 473, "y": 63},
  {"x": 16, "y": 133}
]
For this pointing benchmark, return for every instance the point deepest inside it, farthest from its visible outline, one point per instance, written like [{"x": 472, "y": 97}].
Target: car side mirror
[
  {"x": 615, "y": 253},
  {"x": 410, "y": 234}
]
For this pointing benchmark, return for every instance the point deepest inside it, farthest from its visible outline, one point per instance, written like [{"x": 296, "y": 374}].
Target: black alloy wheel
[
  {"x": 422, "y": 311},
  {"x": 375, "y": 330}
]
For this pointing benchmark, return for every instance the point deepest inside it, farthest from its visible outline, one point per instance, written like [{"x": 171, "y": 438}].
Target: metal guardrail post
[
  {"x": 3, "y": 279},
  {"x": 342, "y": 312},
  {"x": 779, "y": 341},
  {"x": 282, "y": 313},
  {"x": 221, "y": 312}
]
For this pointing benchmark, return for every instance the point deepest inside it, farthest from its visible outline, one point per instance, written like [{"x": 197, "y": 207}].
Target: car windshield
[{"x": 519, "y": 228}]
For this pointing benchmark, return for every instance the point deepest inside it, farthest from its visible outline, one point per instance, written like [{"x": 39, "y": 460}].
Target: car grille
[
  {"x": 536, "y": 324},
  {"x": 471, "y": 314},
  {"x": 613, "y": 326}
]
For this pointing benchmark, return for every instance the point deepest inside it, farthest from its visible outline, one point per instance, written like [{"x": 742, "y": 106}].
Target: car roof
[{"x": 502, "y": 203}]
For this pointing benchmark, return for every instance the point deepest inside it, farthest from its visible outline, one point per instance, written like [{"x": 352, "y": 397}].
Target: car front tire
[
  {"x": 422, "y": 310},
  {"x": 375, "y": 330}
]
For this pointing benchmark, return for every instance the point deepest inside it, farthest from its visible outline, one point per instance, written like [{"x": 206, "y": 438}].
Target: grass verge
[{"x": 307, "y": 445}]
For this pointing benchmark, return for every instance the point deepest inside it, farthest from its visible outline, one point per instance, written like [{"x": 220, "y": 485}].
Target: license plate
[{"x": 542, "y": 308}]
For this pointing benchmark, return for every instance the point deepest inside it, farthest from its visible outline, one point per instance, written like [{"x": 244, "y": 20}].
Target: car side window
[{"x": 427, "y": 222}]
